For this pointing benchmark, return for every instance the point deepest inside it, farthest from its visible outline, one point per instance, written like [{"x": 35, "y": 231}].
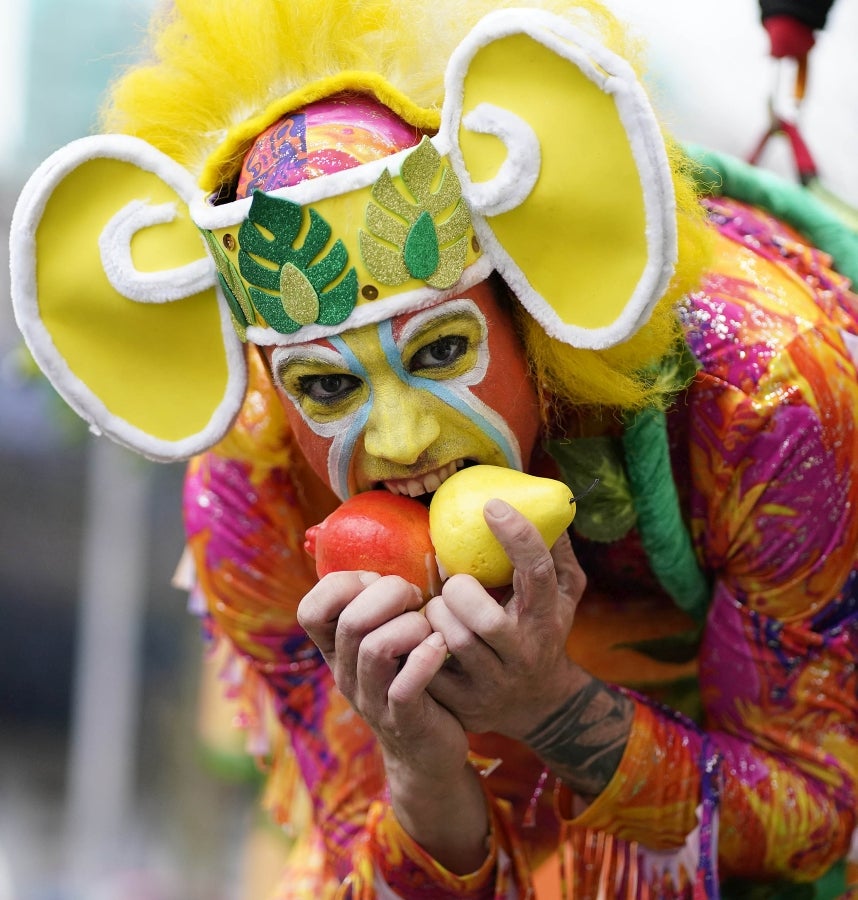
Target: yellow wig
[{"x": 221, "y": 71}]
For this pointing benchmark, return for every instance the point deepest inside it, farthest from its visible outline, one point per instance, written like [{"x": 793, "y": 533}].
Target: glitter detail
[
  {"x": 237, "y": 298},
  {"x": 288, "y": 281},
  {"x": 410, "y": 238},
  {"x": 300, "y": 300},
  {"x": 327, "y": 136},
  {"x": 421, "y": 248}
]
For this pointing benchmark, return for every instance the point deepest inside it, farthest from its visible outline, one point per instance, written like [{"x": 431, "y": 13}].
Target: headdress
[{"x": 135, "y": 287}]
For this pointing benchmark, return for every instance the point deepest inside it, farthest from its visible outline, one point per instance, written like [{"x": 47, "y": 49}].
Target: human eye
[
  {"x": 442, "y": 352},
  {"x": 327, "y": 388}
]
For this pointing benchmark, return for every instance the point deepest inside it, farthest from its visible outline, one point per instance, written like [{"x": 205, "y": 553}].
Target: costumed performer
[{"x": 441, "y": 234}]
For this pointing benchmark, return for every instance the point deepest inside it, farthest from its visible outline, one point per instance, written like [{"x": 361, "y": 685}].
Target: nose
[{"x": 400, "y": 425}]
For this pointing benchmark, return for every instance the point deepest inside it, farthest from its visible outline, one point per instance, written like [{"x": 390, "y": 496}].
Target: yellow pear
[{"x": 462, "y": 539}]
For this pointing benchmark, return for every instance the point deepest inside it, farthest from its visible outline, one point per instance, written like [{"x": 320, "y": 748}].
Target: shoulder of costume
[{"x": 720, "y": 174}]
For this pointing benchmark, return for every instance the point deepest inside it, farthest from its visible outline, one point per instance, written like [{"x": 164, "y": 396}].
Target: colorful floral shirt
[{"x": 743, "y": 756}]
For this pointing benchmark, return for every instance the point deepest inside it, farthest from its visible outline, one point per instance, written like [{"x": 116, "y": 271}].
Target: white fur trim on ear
[
  {"x": 518, "y": 173},
  {"x": 26, "y": 218},
  {"x": 149, "y": 287},
  {"x": 616, "y": 78}
]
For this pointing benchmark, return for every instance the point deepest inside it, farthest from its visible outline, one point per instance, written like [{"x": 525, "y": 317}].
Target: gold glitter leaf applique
[
  {"x": 408, "y": 236},
  {"x": 300, "y": 300}
]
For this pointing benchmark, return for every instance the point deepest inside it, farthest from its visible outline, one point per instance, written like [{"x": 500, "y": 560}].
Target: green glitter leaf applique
[
  {"x": 421, "y": 251},
  {"x": 409, "y": 237},
  {"x": 237, "y": 298},
  {"x": 288, "y": 287}
]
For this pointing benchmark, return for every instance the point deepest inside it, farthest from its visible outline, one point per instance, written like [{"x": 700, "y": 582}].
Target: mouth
[{"x": 422, "y": 487}]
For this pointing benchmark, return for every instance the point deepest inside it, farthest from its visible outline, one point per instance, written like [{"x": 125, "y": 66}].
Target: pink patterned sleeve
[{"x": 771, "y": 781}]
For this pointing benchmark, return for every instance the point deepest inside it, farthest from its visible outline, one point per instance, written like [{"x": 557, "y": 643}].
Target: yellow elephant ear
[
  {"x": 563, "y": 165},
  {"x": 117, "y": 299}
]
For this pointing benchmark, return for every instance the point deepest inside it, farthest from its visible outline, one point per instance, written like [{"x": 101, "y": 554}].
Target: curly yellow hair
[{"x": 220, "y": 71}]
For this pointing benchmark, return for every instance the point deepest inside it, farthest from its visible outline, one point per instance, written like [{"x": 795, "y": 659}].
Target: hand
[
  {"x": 383, "y": 653},
  {"x": 509, "y": 669},
  {"x": 510, "y": 672}
]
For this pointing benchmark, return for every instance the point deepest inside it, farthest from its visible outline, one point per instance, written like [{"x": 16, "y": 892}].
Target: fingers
[
  {"x": 534, "y": 580},
  {"x": 421, "y": 665},
  {"x": 547, "y": 584},
  {"x": 345, "y": 606},
  {"x": 319, "y": 611},
  {"x": 467, "y": 617},
  {"x": 384, "y": 656},
  {"x": 470, "y": 619},
  {"x": 570, "y": 576}
]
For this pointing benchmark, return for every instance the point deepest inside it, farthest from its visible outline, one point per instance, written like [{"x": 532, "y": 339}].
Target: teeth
[
  {"x": 431, "y": 482},
  {"x": 427, "y": 484}
]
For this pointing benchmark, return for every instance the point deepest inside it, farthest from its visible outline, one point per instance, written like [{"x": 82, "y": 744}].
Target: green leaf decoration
[
  {"x": 676, "y": 370},
  {"x": 272, "y": 310},
  {"x": 607, "y": 513},
  {"x": 419, "y": 171},
  {"x": 237, "y": 298},
  {"x": 385, "y": 264},
  {"x": 406, "y": 236},
  {"x": 338, "y": 302},
  {"x": 450, "y": 266},
  {"x": 300, "y": 300},
  {"x": 421, "y": 248},
  {"x": 385, "y": 193},
  {"x": 288, "y": 282}
]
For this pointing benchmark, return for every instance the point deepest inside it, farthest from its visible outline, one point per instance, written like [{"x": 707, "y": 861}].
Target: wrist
[
  {"x": 584, "y": 738},
  {"x": 448, "y": 817}
]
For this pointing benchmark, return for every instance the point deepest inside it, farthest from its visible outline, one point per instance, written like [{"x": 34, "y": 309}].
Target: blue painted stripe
[
  {"x": 444, "y": 394},
  {"x": 358, "y": 423}
]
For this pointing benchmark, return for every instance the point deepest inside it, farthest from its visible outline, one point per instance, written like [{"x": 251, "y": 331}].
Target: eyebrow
[
  {"x": 306, "y": 353},
  {"x": 464, "y": 308}
]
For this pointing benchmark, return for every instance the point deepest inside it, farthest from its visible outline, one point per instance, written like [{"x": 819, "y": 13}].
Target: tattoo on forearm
[{"x": 583, "y": 741}]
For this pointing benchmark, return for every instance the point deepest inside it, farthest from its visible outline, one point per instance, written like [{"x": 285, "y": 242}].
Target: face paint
[{"x": 407, "y": 401}]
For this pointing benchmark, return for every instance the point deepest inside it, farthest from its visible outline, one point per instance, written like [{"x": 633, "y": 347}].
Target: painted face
[{"x": 405, "y": 403}]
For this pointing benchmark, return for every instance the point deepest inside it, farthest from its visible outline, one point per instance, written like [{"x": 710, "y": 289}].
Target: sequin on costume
[{"x": 761, "y": 784}]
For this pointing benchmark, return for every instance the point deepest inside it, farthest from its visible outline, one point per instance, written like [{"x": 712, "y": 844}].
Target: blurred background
[{"x": 110, "y": 786}]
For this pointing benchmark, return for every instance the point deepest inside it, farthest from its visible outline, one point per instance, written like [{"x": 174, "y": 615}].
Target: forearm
[
  {"x": 584, "y": 740},
  {"x": 450, "y": 821},
  {"x": 675, "y": 779}
]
